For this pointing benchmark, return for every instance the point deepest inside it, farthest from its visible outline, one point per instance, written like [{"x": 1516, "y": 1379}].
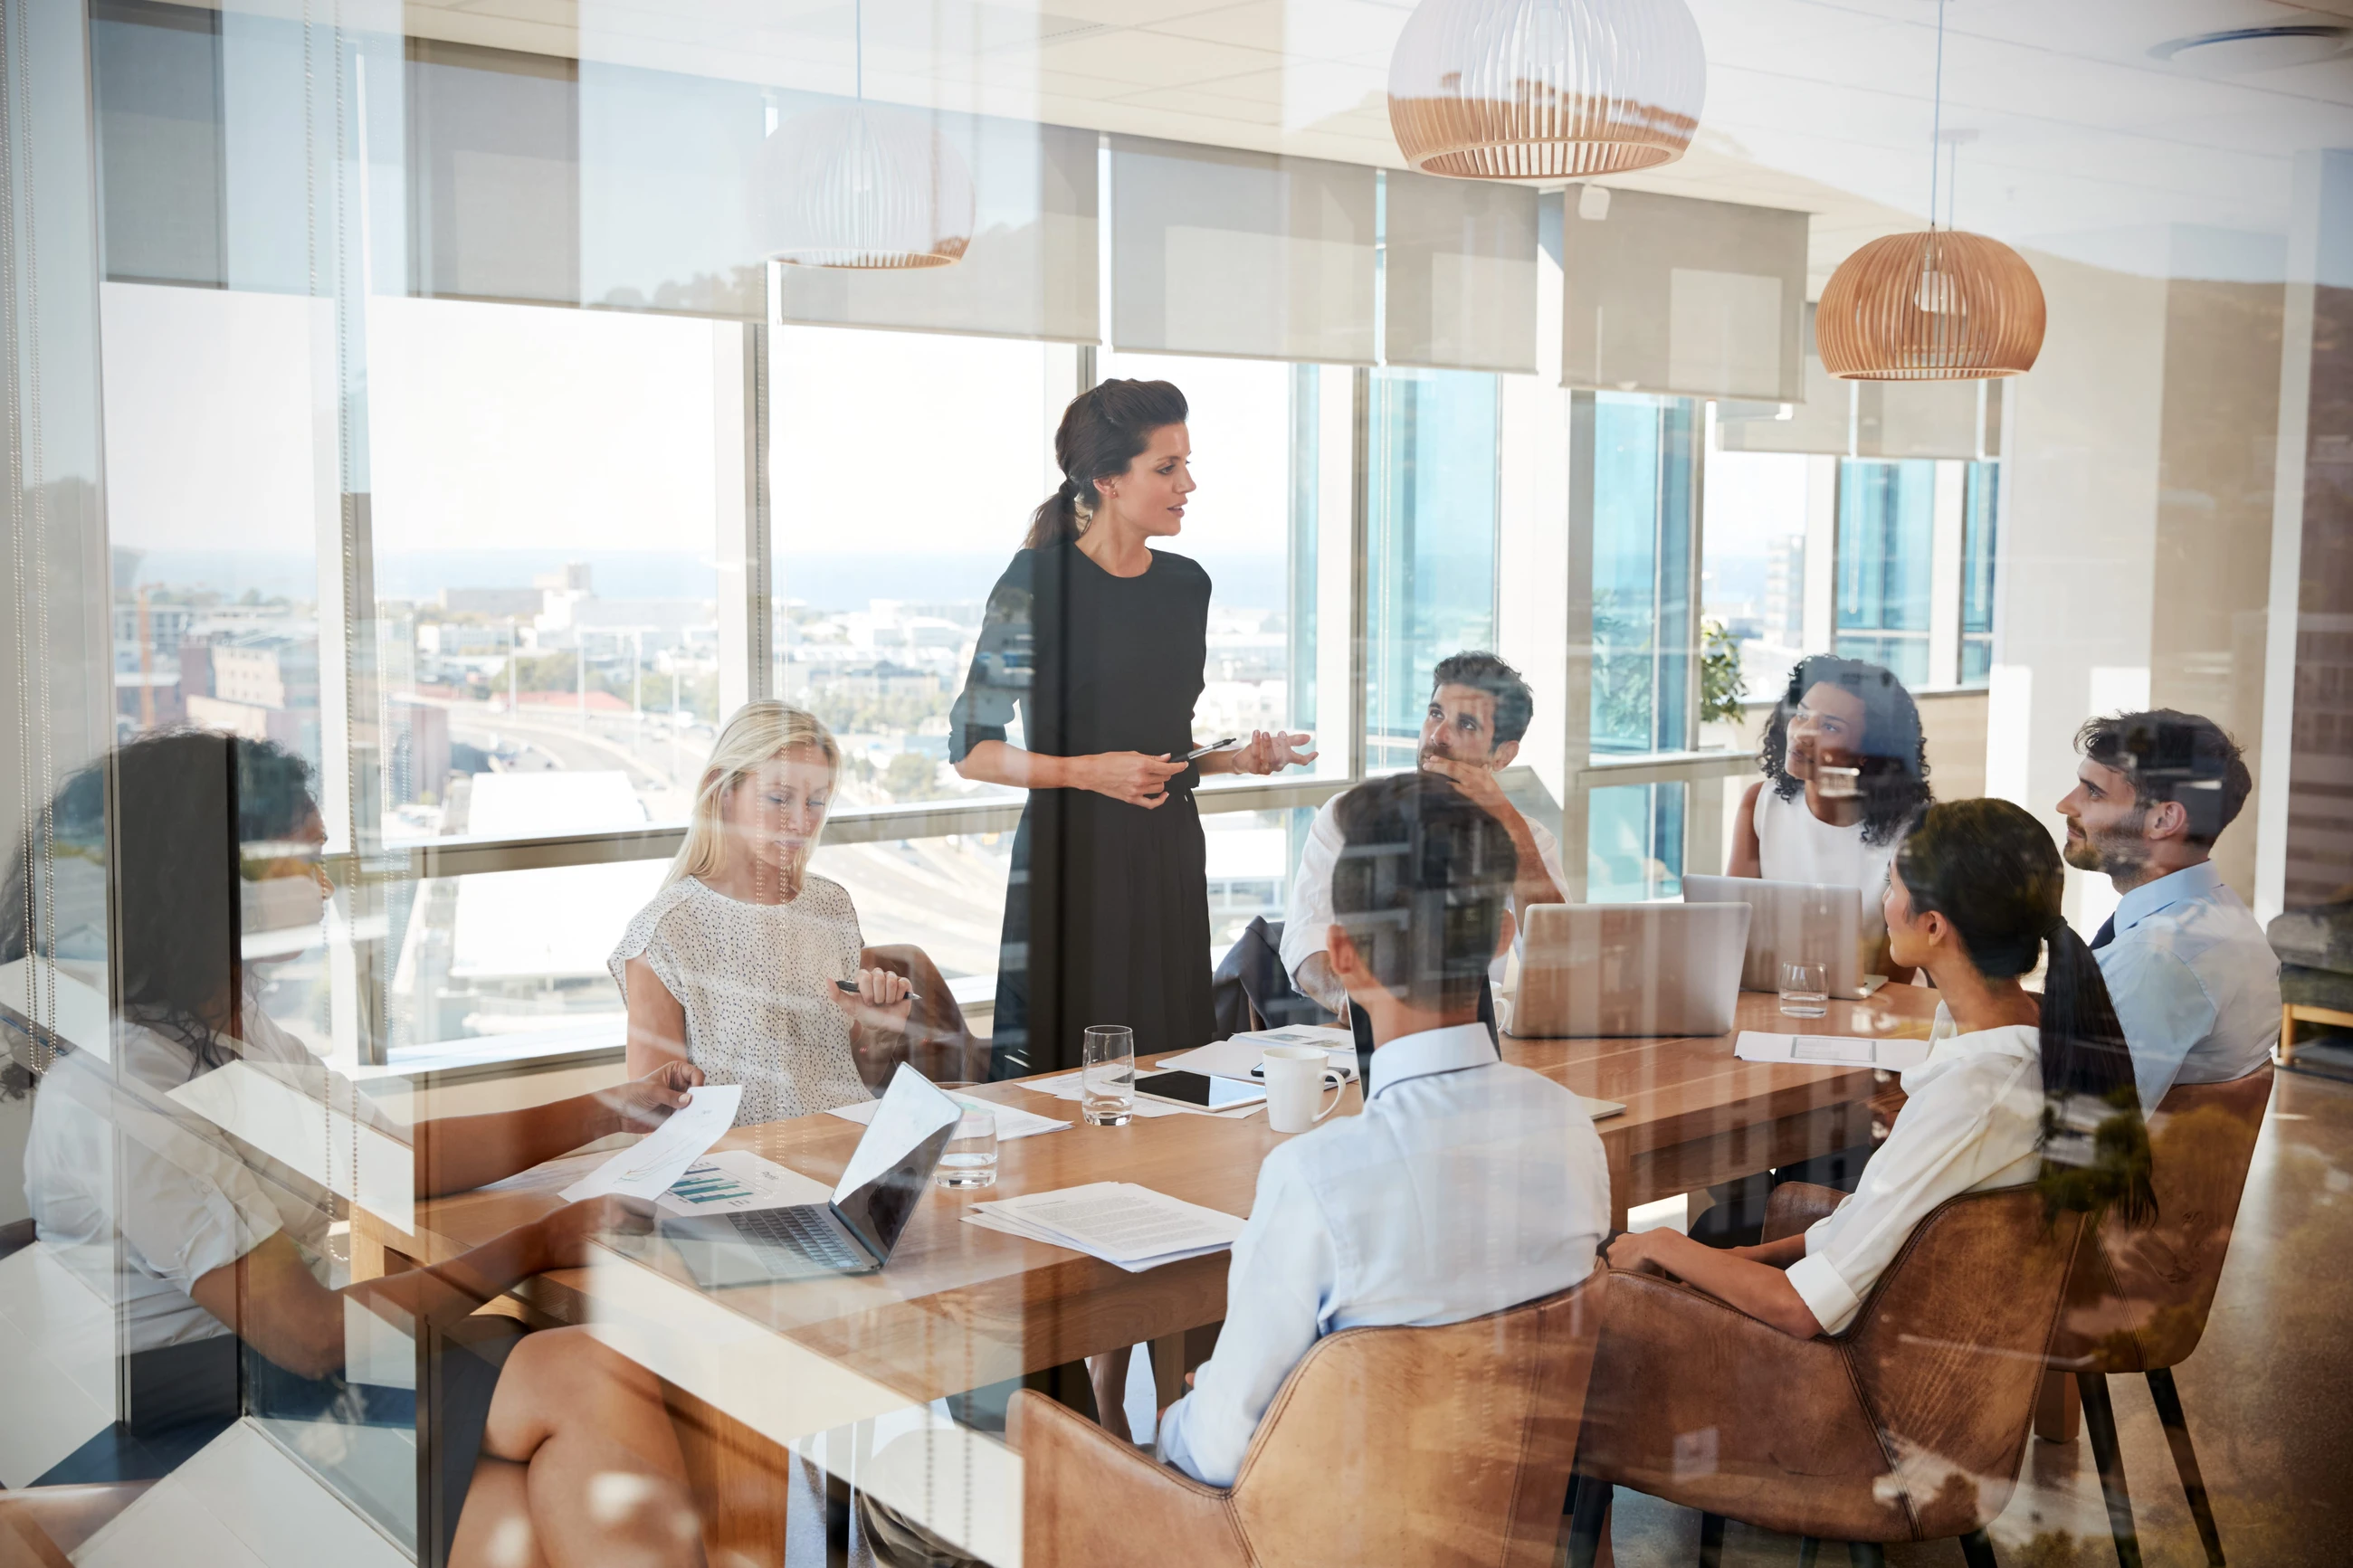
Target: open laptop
[
  {"x": 1796, "y": 922},
  {"x": 852, "y": 1234},
  {"x": 1591, "y": 969}
]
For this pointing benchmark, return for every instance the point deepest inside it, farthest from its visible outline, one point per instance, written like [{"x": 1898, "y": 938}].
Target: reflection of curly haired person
[{"x": 1846, "y": 738}]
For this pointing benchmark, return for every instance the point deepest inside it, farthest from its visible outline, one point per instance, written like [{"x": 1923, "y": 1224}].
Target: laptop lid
[
  {"x": 1595, "y": 970},
  {"x": 894, "y": 1161},
  {"x": 1795, "y": 923}
]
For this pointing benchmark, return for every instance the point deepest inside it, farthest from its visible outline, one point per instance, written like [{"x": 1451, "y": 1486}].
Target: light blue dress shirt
[
  {"x": 2195, "y": 983},
  {"x": 1466, "y": 1186}
]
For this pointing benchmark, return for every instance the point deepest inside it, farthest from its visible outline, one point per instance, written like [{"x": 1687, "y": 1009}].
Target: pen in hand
[{"x": 851, "y": 986}]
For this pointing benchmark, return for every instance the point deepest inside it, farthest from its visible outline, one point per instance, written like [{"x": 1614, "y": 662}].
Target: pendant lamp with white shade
[
  {"x": 863, "y": 186},
  {"x": 1938, "y": 306},
  {"x": 1546, "y": 89}
]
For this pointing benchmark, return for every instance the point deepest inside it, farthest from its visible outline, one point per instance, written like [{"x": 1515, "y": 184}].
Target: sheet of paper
[
  {"x": 1830, "y": 1050},
  {"x": 1030, "y": 1233},
  {"x": 1012, "y": 1122},
  {"x": 647, "y": 1168},
  {"x": 1119, "y": 1221},
  {"x": 733, "y": 1181},
  {"x": 1599, "y": 1109},
  {"x": 1065, "y": 1086}
]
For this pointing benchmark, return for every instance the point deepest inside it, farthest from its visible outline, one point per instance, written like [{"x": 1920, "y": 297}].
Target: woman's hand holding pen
[{"x": 1131, "y": 776}]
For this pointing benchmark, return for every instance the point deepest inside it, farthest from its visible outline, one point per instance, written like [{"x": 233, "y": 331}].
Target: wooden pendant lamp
[
  {"x": 1937, "y": 306},
  {"x": 1544, "y": 90}
]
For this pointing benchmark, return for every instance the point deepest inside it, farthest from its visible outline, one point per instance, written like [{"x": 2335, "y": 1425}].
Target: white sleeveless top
[
  {"x": 1795, "y": 845},
  {"x": 754, "y": 978}
]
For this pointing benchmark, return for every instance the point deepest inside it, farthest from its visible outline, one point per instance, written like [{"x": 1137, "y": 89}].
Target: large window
[
  {"x": 1886, "y": 526},
  {"x": 1430, "y": 566},
  {"x": 1643, "y": 572},
  {"x": 1979, "y": 522}
]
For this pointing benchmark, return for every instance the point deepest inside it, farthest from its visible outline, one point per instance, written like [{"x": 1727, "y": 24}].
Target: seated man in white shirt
[
  {"x": 2195, "y": 981},
  {"x": 1479, "y": 710},
  {"x": 1466, "y": 1185}
]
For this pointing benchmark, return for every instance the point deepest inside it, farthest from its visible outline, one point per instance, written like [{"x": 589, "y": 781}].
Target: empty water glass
[
  {"x": 1805, "y": 989},
  {"x": 970, "y": 1158},
  {"x": 1107, "y": 1074}
]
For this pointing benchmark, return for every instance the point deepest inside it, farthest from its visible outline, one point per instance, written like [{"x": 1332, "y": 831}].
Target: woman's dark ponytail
[
  {"x": 1102, "y": 431},
  {"x": 1992, "y": 870}
]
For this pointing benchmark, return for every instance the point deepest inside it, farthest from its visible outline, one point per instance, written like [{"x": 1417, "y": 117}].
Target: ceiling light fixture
[
  {"x": 863, "y": 186},
  {"x": 2235, "y": 50},
  {"x": 1546, "y": 89},
  {"x": 1938, "y": 306}
]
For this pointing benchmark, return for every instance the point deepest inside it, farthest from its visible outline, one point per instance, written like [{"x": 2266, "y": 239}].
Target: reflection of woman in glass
[
  {"x": 205, "y": 1243},
  {"x": 1845, "y": 768},
  {"x": 1098, "y": 641}
]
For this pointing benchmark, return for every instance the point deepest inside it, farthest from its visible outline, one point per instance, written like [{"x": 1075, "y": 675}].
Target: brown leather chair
[
  {"x": 939, "y": 1043},
  {"x": 1439, "y": 1447},
  {"x": 2139, "y": 1298},
  {"x": 1908, "y": 1426}
]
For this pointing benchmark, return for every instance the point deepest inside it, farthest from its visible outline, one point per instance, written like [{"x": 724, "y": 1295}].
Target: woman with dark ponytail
[
  {"x": 2016, "y": 1087},
  {"x": 1097, "y": 642}
]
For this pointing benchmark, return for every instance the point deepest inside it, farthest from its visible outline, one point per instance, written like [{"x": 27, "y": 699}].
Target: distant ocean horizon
[{"x": 845, "y": 581}]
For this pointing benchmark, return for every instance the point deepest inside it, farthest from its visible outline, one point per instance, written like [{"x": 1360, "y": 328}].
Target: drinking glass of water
[
  {"x": 1805, "y": 989},
  {"x": 1107, "y": 1074},
  {"x": 970, "y": 1158}
]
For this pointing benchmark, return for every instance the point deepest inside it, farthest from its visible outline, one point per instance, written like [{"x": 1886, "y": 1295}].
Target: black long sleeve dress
[{"x": 1106, "y": 916}]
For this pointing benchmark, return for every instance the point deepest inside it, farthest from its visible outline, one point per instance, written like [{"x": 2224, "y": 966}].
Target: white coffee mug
[{"x": 1296, "y": 1077}]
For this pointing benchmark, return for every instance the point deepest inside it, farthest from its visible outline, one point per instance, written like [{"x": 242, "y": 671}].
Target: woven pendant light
[
  {"x": 1936, "y": 306},
  {"x": 1544, "y": 90},
  {"x": 863, "y": 186},
  {"x": 1939, "y": 306}
]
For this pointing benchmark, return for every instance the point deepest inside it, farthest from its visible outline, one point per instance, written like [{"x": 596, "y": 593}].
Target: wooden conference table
[{"x": 960, "y": 1307}]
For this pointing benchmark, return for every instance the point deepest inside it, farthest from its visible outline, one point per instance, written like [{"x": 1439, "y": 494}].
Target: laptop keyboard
[{"x": 803, "y": 1233}]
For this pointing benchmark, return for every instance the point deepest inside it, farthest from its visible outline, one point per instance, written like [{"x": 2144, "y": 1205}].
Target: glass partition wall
[{"x": 459, "y": 446}]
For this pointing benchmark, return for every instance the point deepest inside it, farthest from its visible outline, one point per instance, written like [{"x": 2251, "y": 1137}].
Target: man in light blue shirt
[
  {"x": 1465, "y": 1186},
  {"x": 2195, "y": 983}
]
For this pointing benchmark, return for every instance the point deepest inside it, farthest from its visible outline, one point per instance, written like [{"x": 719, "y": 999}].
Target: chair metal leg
[
  {"x": 2185, "y": 1461},
  {"x": 1866, "y": 1554},
  {"x": 1710, "y": 1541},
  {"x": 1807, "y": 1550},
  {"x": 2100, "y": 1423},
  {"x": 1589, "y": 1505},
  {"x": 1977, "y": 1549}
]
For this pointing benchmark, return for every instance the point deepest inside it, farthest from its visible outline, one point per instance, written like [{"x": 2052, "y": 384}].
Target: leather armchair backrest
[
  {"x": 2140, "y": 1295},
  {"x": 1949, "y": 1351},
  {"x": 1430, "y": 1446}
]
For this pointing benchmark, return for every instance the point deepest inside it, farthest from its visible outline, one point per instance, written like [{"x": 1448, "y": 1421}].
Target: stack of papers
[
  {"x": 1012, "y": 1122},
  {"x": 1065, "y": 1086},
  {"x": 1132, "y": 1227},
  {"x": 1235, "y": 1058},
  {"x": 1830, "y": 1050}
]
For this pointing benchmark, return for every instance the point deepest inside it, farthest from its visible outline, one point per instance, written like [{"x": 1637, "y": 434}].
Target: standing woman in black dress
[{"x": 1100, "y": 640}]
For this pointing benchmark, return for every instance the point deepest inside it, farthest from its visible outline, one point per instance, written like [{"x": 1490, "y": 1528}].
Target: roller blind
[
  {"x": 1667, "y": 294},
  {"x": 493, "y": 173},
  {"x": 1031, "y": 270},
  {"x": 1248, "y": 255},
  {"x": 1461, "y": 274},
  {"x": 665, "y": 173},
  {"x": 1823, "y": 423}
]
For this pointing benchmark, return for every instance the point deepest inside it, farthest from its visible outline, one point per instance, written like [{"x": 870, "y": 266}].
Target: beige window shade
[
  {"x": 1032, "y": 269},
  {"x": 1821, "y": 423},
  {"x": 1460, "y": 278},
  {"x": 1666, "y": 294},
  {"x": 494, "y": 174},
  {"x": 666, "y": 216},
  {"x": 1245, "y": 255}
]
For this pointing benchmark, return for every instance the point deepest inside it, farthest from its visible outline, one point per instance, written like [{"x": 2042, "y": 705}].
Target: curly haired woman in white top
[{"x": 733, "y": 966}]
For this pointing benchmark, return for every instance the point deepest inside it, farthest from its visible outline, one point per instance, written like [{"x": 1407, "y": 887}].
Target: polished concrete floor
[{"x": 2269, "y": 1396}]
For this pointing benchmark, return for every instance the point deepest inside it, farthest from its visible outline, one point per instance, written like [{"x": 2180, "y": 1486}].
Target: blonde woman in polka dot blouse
[{"x": 732, "y": 965}]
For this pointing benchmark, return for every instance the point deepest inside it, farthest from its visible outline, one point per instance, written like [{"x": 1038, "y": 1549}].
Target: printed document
[
  {"x": 1830, "y": 1050},
  {"x": 648, "y": 1168},
  {"x": 1119, "y": 1222}
]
